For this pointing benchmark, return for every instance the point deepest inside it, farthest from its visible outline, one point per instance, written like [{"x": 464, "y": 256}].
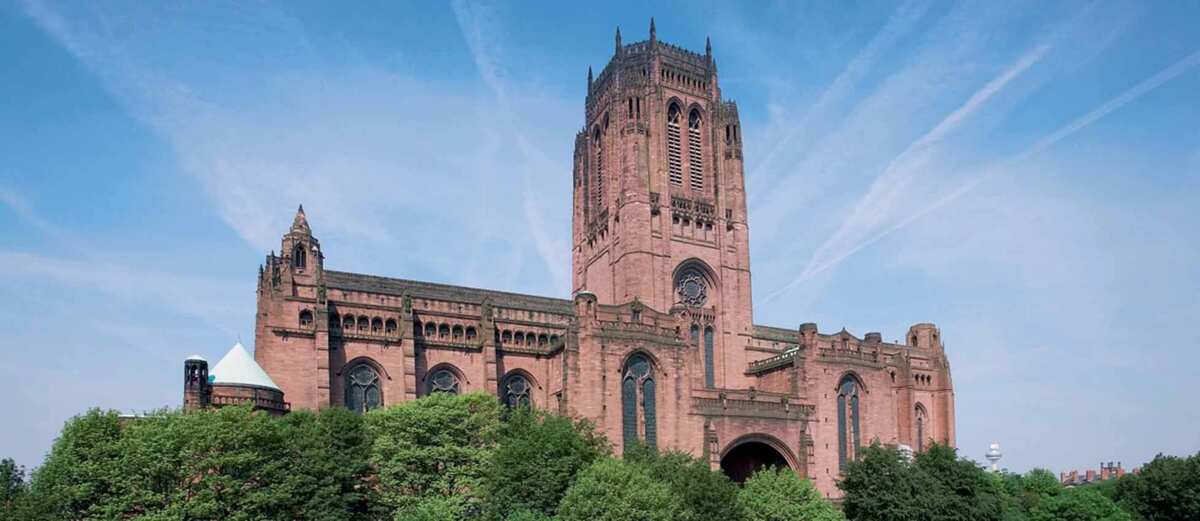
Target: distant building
[
  {"x": 657, "y": 344},
  {"x": 1107, "y": 471}
]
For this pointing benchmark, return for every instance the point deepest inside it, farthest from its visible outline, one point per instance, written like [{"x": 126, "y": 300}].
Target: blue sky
[{"x": 1025, "y": 175}]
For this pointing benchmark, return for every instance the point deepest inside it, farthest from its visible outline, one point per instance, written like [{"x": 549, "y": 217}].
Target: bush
[
  {"x": 704, "y": 493},
  {"x": 1077, "y": 504},
  {"x": 436, "y": 446},
  {"x": 1166, "y": 489},
  {"x": 611, "y": 490},
  {"x": 538, "y": 458},
  {"x": 773, "y": 494}
]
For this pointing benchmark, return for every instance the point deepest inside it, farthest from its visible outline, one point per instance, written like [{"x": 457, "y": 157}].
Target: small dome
[{"x": 239, "y": 368}]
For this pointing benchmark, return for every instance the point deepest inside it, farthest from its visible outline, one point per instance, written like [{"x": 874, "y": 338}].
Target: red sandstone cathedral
[{"x": 658, "y": 343}]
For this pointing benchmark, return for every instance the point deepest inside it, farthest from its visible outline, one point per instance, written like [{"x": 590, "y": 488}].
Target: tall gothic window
[
  {"x": 674, "y": 154},
  {"x": 597, "y": 143},
  {"x": 695, "y": 158},
  {"x": 920, "y": 414},
  {"x": 709, "y": 370},
  {"x": 299, "y": 257},
  {"x": 362, "y": 389},
  {"x": 849, "y": 437},
  {"x": 638, "y": 411},
  {"x": 514, "y": 392},
  {"x": 443, "y": 381}
]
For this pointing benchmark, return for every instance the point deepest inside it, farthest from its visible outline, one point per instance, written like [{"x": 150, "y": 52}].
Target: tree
[
  {"x": 882, "y": 485},
  {"x": 1166, "y": 489},
  {"x": 78, "y": 474},
  {"x": 538, "y": 457},
  {"x": 436, "y": 446},
  {"x": 12, "y": 485},
  {"x": 780, "y": 495},
  {"x": 612, "y": 490},
  {"x": 1077, "y": 504},
  {"x": 704, "y": 493},
  {"x": 938, "y": 485}
]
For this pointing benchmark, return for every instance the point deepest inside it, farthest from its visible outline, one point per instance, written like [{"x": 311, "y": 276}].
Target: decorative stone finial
[
  {"x": 300, "y": 223},
  {"x": 618, "y": 51},
  {"x": 589, "y": 80},
  {"x": 653, "y": 33}
]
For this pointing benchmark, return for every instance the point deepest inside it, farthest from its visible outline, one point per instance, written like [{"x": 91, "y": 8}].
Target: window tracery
[
  {"x": 515, "y": 391},
  {"x": 363, "y": 391},
  {"x": 849, "y": 436},
  {"x": 443, "y": 381},
  {"x": 638, "y": 406}
]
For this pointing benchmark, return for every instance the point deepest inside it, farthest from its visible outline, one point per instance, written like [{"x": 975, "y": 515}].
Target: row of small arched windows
[
  {"x": 923, "y": 379},
  {"x": 522, "y": 338},
  {"x": 349, "y": 322},
  {"x": 364, "y": 390},
  {"x": 444, "y": 331}
]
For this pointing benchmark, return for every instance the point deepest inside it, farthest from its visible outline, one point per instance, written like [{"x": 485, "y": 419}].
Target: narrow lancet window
[
  {"x": 674, "y": 154},
  {"x": 695, "y": 156}
]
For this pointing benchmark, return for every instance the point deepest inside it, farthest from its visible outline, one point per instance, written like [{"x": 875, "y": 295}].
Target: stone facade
[{"x": 658, "y": 343}]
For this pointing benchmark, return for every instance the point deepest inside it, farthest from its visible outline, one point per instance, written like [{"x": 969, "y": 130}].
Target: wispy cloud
[
  {"x": 881, "y": 197},
  {"x": 476, "y": 22},
  {"x": 833, "y": 258}
]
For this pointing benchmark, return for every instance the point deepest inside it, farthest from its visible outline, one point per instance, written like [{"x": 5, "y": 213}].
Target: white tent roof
[{"x": 239, "y": 368}]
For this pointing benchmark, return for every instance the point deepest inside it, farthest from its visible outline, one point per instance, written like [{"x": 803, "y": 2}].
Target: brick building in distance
[{"x": 658, "y": 342}]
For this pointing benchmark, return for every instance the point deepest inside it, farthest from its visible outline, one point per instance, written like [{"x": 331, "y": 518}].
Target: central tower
[{"x": 659, "y": 194}]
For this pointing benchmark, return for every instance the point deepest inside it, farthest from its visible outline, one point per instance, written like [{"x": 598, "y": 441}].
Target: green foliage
[
  {"x": 537, "y": 459},
  {"x": 704, "y": 493},
  {"x": 12, "y": 487},
  {"x": 1166, "y": 489},
  {"x": 435, "y": 446},
  {"x": 230, "y": 463},
  {"x": 780, "y": 495},
  {"x": 78, "y": 475},
  {"x": 612, "y": 490},
  {"x": 433, "y": 508},
  {"x": 882, "y": 485},
  {"x": 1077, "y": 504}
]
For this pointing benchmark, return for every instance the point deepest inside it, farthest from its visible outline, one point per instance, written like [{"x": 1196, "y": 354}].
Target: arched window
[
  {"x": 709, "y": 370},
  {"x": 691, "y": 287},
  {"x": 849, "y": 436},
  {"x": 348, "y": 322},
  {"x": 553, "y": 339},
  {"x": 515, "y": 391},
  {"x": 695, "y": 157},
  {"x": 638, "y": 411},
  {"x": 598, "y": 146},
  {"x": 299, "y": 256},
  {"x": 506, "y": 336},
  {"x": 920, "y": 415},
  {"x": 674, "y": 154},
  {"x": 470, "y": 333},
  {"x": 363, "y": 323},
  {"x": 389, "y": 327},
  {"x": 362, "y": 388},
  {"x": 519, "y": 338},
  {"x": 376, "y": 325},
  {"x": 543, "y": 340},
  {"x": 306, "y": 318},
  {"x": 443, "y": 381},
  {"x": 430, "y": 330},
  {"x": 456, "y": 333},
  {"x": 444, "y": 331}
]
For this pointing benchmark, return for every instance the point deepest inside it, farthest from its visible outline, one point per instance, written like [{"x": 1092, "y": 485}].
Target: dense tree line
[
  {"x": 467, "y": 458},
  {"x": 939, "y": 486}
]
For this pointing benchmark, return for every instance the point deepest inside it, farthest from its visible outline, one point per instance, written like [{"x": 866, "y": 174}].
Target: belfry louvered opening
[
  {"x": 674, "y": 154},
  {"x": 695, "y": 157}
]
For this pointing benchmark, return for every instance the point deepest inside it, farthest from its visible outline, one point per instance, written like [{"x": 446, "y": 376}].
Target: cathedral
[{"x": 657, "y": 343}]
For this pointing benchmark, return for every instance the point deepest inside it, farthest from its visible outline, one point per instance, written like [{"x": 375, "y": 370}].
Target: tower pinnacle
[
  {"x": 589, "y": 91},
  {"x": 300, "y": 222},
  {"x": 653, "y": 33},
  {"x": 618, "y": 51}
]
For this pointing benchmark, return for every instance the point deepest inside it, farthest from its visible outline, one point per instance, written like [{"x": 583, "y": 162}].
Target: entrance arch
[{"x": 750, "y": 453}]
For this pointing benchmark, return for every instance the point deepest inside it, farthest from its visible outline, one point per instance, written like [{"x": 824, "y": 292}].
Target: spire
[
  {"x": 653, "y": 33},
  {"x": 589, "y": 80},
  {"x": 618, "y": 52},
  {"x": 708, "y": 47},
  {"x": 300, "y": 223}
]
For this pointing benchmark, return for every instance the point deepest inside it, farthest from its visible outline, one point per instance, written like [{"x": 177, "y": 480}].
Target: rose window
[{"x": 692, "y": 289}]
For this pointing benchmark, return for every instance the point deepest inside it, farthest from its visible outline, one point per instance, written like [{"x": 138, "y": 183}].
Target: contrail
[{"x": 1134, "y": 93}]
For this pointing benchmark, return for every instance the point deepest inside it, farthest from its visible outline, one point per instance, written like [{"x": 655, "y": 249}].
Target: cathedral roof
[
  {"x": 300, "y": 222},
  {"x": 418, "y": 289},
  {"x": 239, "y": 368}
]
